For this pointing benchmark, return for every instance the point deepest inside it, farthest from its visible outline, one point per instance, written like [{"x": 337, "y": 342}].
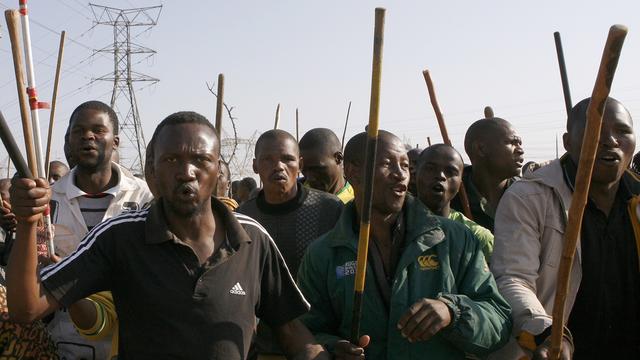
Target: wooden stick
[
  {"x": 488, "y": 112},
  {"x": 53, "y": 103},
  {"x": 346, "y": 122},
  {"x": 12, "y": 148},
  {"x": 220, "y": 106},
  {"x": 275, "y": 126},
  {"x": 9, "y": 167},
  {"x": 563, "y": 73},
  {"x": 464, "y": 199},
  {"x": 370, "y": 158},
  {"x": 595, "y": 112},
  {"x": 34, "y": 104},
  {"x": 429, "y": 140},
  {"x": 297, "y": 126},
  {"x": 12, "y": 18}
]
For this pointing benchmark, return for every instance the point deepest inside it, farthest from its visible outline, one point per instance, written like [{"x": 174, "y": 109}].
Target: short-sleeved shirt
[{"x": 170, "y": 306}]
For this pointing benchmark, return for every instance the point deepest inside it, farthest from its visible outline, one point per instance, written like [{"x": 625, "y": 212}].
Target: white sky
[{"x": 316, "y": 55}]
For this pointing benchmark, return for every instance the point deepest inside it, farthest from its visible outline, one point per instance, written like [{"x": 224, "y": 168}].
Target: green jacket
[{"x": 442, "y": 259}]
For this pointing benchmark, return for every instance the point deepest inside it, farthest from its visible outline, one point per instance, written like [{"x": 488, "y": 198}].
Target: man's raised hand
[{"x": 29, "y": 198}]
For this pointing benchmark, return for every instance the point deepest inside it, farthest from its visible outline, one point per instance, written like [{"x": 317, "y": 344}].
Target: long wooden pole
[
  {"x": 346, "y": 123},
  {"x": 429, "y": 140},
  {"x": 35, "y": 105},
  {"x": 12, "y": 18},
  {"x": 277, "y": 123},
  {"x": 370, "y": 158},
  {"x": 563, "y": 73},
  {"x": 591, "y": 137},
  {"x": 54, "y": 97},
  {"x": 12, "y": 148},
  {"x": 464, "y": 199},
  {"x": 220, "y": 106},
  {"x": 297, "y": 126}
]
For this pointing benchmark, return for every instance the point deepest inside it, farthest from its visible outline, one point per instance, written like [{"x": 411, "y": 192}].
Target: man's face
[
  {"x": 504, "y": 153},
  {"x": 185, "y": 167},
  {"x": 56, "y": 171},
  {"x": 91, "y": 139},
  {"x": 615, "y": 148},
  {"x": 439, "y": 177},
  {"x": 321, "y": 170},
  {"x": 391, "y": 176},
  {"x": 277, "y": 164},
  {"x": 413, "y": 159},
  {"x": 223, "y": 181}
]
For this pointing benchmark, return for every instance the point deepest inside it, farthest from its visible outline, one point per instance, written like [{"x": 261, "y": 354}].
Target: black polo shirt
[
  {"x": 168, "y": 305},
  {"x": 605, "y": 318}
]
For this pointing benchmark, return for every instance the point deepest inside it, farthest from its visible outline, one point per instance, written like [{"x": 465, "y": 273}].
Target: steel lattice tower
[{"x": 123, "y": 98}]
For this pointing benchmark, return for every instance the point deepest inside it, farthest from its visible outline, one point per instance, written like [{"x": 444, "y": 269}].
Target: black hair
[
  {"x": 484, "y": 130},
  {"x": 578, "y": 114},
  {"x": 433, "y": 148},
  {"x": 98, "y": 106},
  {"x": 178, "y": 118},
  {"x": 249, "y": 183},
  {"x": 354, "y": 151},
  {"x": 320, "y": 139},
  {"x": 274, "y": 134}
]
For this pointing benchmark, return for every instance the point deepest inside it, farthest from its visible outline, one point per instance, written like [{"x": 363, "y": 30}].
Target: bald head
[
  {"x": 321, "y": 140},
  {"x": 485, "y": 130},
  {"x": 577, "y": 118},
  {"x": 57, "y": 170},
  {"x": 441, "y": 151},
  {"x": 354, "y": 151},
  {"x": 275, "y": 135}
]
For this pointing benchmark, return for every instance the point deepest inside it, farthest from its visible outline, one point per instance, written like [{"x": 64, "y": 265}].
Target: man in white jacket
[
  {"x": 603, "y": 307},
  {"x": 94, "y": 190}
]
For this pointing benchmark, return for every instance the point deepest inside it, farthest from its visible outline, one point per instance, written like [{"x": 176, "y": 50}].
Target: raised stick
[
  {"x": 488, "y": 112},
  {"x": 464, "y": 199},
  {"x": 277, "y": 123},
  {"x": 32, "y": 91},
  {"x": 370, "y": 159},
  {"x": 297, "y": 126},
  {"x": 12, "y": 148},
  {"x": 563, "y": 73},
  {"x": 35, "y": 105},
  {"x": 12, "y": 18},
  {"x": 53, "y": 102},
  {"x": 220, "y": 106},
  {"x": 429, "y": 140},
  {"x": 590, "y": 140},
  {"x": 346, "y": 122}
]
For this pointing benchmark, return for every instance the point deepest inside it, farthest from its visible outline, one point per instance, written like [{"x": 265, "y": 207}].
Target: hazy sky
[{"x": 317, "y": 56}]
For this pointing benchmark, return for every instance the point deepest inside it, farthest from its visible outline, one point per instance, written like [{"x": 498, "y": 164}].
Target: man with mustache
[
  {"x": 496, "y": 155},
  {"x": 429, "y": 292},
  {"x": 188, "y": 276},
  {"x": 95, "y": 189},
  {"x": 439, "y": 175},
  {"x": 322, "y": 163},
  {"x": 292, "y": 214},
  {"x": 603, "y": 306}
]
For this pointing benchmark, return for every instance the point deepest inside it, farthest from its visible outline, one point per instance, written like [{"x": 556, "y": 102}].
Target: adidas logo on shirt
[{"x": 237, "y": 290}]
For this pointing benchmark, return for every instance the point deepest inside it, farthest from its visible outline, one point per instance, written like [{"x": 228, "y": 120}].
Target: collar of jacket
[
  {"x": 125, "y": 180},
  {"x": 422, "y": 227}
]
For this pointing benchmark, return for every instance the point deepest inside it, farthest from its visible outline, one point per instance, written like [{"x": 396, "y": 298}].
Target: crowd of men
[{"x": 190, "y": 264}]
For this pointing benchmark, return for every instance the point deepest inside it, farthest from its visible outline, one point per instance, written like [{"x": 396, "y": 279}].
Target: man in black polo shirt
[{"x": 187, "y": 276}]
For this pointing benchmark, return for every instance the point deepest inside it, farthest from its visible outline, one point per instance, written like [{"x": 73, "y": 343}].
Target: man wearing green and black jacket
[{"x": 429, "y": 292}]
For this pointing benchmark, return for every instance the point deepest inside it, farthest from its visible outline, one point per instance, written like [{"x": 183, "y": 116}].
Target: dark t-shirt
[{"x": 169, "y": 306}]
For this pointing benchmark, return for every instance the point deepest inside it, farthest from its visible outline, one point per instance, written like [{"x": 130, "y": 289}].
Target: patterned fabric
[{"x": 23, "y": 341}]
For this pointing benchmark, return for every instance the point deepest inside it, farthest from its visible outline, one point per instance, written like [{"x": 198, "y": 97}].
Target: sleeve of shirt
[
  {"x": 280, "y": 301},
  {"x": 481, "y": 320},
  {"x": 516, "y": 258},
  {"x": 312, "y": 278},
  {"x": 86, "y": 271}
]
